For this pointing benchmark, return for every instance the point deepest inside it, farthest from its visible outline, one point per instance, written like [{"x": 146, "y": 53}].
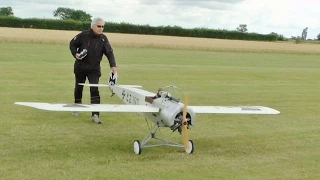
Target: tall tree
[
  {"x": 304, "y": 33},
  {"x": 242, "y": 28},
  {"x": 318, "y": 37},
  {"x": 6, "y": 11},
  {"x": 68, "y": 13}
]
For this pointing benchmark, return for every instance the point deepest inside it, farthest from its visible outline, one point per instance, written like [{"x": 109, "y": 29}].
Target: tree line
[{"x": 64, "y": 13}]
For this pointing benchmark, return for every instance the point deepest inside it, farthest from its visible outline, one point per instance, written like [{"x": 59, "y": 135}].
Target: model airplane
[{"x": 165, "y": 110}]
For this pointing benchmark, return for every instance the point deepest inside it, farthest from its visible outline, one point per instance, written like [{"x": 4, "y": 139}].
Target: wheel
[
  {"x": 190, "y": 149},
  {"x": 137, "y": 147}
]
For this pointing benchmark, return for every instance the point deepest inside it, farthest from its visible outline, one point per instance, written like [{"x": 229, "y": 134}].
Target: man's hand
[
  {"x": 78, "y": 56},
  {"x": 114, "y": 69}
]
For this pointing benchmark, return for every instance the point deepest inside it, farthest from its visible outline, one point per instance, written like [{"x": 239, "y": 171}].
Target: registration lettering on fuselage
[{"x": 129, "y": 98}]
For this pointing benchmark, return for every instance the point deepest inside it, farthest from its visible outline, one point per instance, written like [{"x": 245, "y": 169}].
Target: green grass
[{"x": 37, "y": 144}]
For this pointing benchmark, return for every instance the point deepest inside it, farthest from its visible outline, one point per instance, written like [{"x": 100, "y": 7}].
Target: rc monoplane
[{"x": 163, "y": 109}]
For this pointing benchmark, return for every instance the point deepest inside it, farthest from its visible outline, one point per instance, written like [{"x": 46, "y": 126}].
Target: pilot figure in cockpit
[{"x": 159, "y": 93}]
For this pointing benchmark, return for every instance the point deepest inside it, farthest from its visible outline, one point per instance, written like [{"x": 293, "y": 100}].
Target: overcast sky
[{"x": 286, "y": 17}]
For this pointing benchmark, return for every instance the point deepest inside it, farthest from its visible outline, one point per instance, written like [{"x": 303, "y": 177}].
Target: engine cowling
[{"x": 171, "y": 115}]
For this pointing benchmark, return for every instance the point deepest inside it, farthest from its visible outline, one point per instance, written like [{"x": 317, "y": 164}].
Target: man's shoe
[
  {"x": 75, "y": 113},
  {"x": 95, "y": 119}
]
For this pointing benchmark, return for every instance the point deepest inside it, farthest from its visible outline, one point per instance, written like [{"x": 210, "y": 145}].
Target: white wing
[
  {"x": 106, "y": 85},
  {"x": 89, "y": 107},
  {"x": 234, "y": 109}
]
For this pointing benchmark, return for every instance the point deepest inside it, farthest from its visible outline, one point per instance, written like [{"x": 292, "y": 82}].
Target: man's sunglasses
[{"x": 99, "y": 26}]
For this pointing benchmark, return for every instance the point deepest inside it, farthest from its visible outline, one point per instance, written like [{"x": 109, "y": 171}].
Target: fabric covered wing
[
  {"x": 234, "y": 109},
  {"x": 89, "y": 107}
]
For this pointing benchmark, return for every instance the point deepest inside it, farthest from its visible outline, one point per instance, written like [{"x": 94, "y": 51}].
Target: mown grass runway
[{"x": 37, "y": 144}]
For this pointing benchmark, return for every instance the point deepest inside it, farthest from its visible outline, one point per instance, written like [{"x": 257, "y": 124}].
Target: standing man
[{"x": 88, "y": 48}]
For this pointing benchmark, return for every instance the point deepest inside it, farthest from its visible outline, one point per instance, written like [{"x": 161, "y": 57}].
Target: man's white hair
[{"x": 95, "y": 20}]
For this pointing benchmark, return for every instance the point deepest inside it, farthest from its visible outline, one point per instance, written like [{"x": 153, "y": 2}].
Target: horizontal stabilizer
[
  {"x": 89, "y": 107},
  {"x": 106, "y": 85},
  {"x": 234, "y": 109}
]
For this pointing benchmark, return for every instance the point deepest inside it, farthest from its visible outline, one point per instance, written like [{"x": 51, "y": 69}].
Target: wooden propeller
[{"x": 184, "y": 124}]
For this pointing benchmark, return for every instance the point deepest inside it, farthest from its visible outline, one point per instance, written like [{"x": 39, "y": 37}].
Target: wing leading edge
[
  {"x": 234, "y": 109},
  {"x": 89, "y": 107}
]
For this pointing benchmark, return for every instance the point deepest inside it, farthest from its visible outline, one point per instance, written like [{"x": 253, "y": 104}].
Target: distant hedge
[{"x": 9, "y": 21}]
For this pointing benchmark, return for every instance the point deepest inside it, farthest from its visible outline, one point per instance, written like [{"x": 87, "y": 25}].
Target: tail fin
[{"x": 113, "y": 77}]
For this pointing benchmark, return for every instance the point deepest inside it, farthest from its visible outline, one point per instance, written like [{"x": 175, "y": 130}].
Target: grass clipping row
[{"x": 134, "y": 40}]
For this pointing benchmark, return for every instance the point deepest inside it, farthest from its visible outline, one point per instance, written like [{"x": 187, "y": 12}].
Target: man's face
[{"x": 98, "y": 27}]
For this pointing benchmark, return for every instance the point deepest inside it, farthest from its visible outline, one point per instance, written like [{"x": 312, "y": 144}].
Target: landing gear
[{"x": 137, "y": 147}]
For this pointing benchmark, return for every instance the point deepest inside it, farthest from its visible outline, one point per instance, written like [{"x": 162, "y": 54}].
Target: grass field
[{"x": 37, "y": 144}]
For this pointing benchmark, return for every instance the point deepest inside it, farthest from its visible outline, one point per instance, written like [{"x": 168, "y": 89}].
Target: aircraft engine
[{"x": 171, "y": 116}]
